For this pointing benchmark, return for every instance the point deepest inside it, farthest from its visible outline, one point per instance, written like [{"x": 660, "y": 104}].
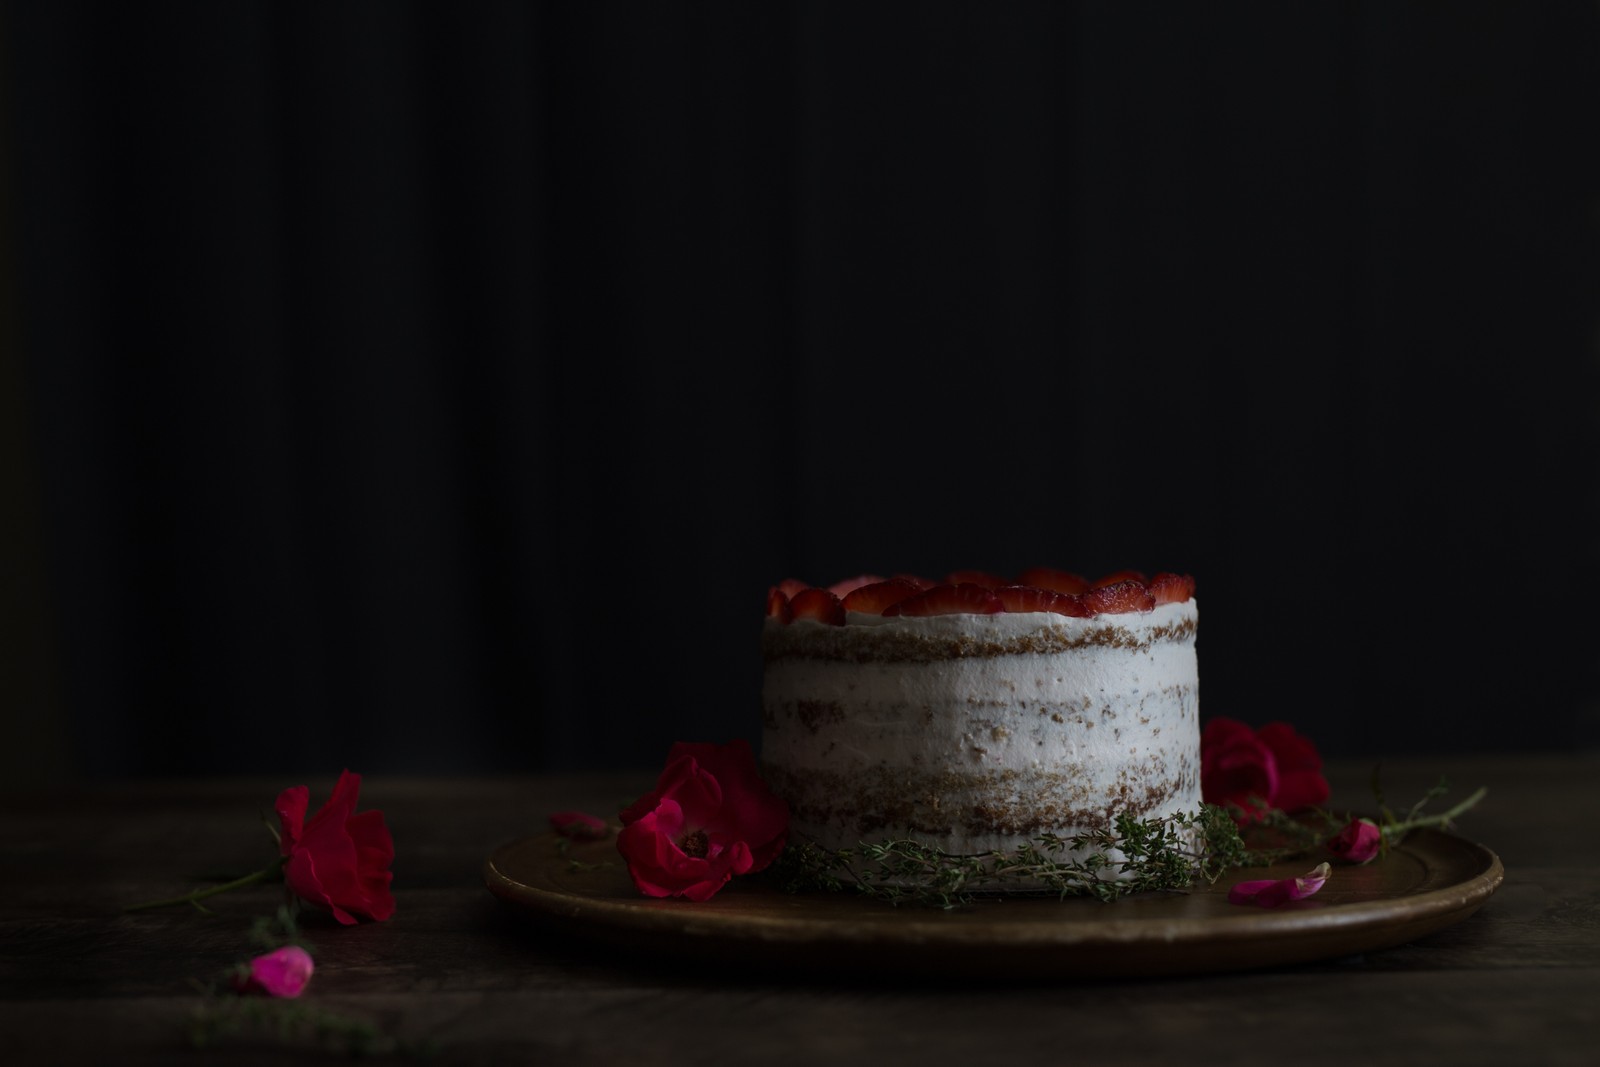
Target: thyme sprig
[
  {"x": 223, "y": 1013},
  {"x": 221, "y": 1016},
  {"x": 1156, "y": 855}
]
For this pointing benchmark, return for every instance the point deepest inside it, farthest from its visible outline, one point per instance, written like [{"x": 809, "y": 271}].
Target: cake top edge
[
  {"x": 1182, "y": 614},
  {"x": 1038, "y": 590}
]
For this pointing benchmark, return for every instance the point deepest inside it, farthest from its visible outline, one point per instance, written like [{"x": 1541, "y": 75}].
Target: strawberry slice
[
  {"x": 1169, "y": 588},
  {"x": 965, "y": 598},
  {"x": 1032, "y": 598},
  {"x": 1119, "y": 597},
  {"x": 986, "y": 579},
  {"x": 844, "y": 588},
  {"x": 917, "y": 580},
  {"x": 1118, "y": 576},
  {"x": 790, "y": 586},
  {"x": 778, "y": 605},
  {"x": 1027, "y": 598},
  {"x": 874, "y": 599},
  {"x": 1057, "y": 581},
  {"x": 818, "y": 604},
  {"x": 1073, "y": 604}
]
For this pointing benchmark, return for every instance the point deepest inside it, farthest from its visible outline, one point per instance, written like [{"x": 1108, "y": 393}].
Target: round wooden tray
[{"x": 1432, "y": 880}]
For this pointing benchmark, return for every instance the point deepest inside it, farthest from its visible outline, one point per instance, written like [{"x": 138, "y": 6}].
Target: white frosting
[{"x": 975, "y": 753}]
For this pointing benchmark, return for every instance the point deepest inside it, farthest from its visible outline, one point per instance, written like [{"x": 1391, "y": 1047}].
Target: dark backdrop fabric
[{"x": 424, "y": 387}]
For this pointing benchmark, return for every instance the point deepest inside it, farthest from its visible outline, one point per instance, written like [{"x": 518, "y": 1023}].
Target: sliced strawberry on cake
[
  {"x": 878, "y": 597},
  {"x": 984, "y": 578},
  {"x": 1169, "y": 588},
  {"x": 818, "y": 604},
  {"x": 965, "y": 598},
  {"x": 1119, "y": 597},
  {"x": 1118, "y": 577},
  {"x": 977, "y": 592},
  {"x": 1032, "y": 598},
  {"x": 1057, "y": 581},
  {"x": 844, "y": 588}
]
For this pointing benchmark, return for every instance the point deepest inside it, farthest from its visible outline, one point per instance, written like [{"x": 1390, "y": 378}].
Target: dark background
[{"x": 427, "y": 388}]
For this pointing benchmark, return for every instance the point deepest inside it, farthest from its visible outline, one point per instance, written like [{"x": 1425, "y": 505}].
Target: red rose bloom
[
  {"x": 339, "y": 860},
  {"x": 1273, "y": 766},
  {"x": 710, "y": 817}
]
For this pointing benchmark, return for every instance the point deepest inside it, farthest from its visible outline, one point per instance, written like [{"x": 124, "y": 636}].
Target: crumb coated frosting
[{"x": 976, "y": 733}]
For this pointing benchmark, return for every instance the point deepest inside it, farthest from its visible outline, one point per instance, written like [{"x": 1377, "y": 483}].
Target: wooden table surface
[{"x": 461, "y": 977}]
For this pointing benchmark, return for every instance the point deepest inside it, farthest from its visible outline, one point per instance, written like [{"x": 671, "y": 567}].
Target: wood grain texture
[{"x": 82, "y": 982}]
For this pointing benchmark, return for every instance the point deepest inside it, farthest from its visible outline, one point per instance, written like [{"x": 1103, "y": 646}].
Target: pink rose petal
[{"x": 1269, "y": 893}]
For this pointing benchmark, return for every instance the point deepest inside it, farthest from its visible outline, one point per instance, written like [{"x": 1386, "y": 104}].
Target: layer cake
[{"x": 977, "y": 713}]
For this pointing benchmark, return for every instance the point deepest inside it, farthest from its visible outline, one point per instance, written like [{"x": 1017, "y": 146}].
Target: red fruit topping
[
  {"x": 1027, "y": 598},
  {"x": 1032, "y": 598},
  {"x": 975, "y": 592},
  {"x": 875, "y": 598},
  {"x": 983, "y": 578},
  {"x": 778, "y": 605},
  {"x": 1119, "y": 597},
  {"x": 965, "y": 598},
  {"x": 1169, "y": 588},
  {"x": 1073, "y": 604},
  {"x": 849, "y": 585},
  {"x": 1056, "y": 581},
  {"x": 1118, "y": 576},
  {"x": 818, "y": 604}
]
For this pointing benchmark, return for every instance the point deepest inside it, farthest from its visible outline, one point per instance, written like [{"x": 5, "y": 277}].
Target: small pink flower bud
[
  {"x": 1358, "y": 842},
  {"x": 282, "y": 973}
]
